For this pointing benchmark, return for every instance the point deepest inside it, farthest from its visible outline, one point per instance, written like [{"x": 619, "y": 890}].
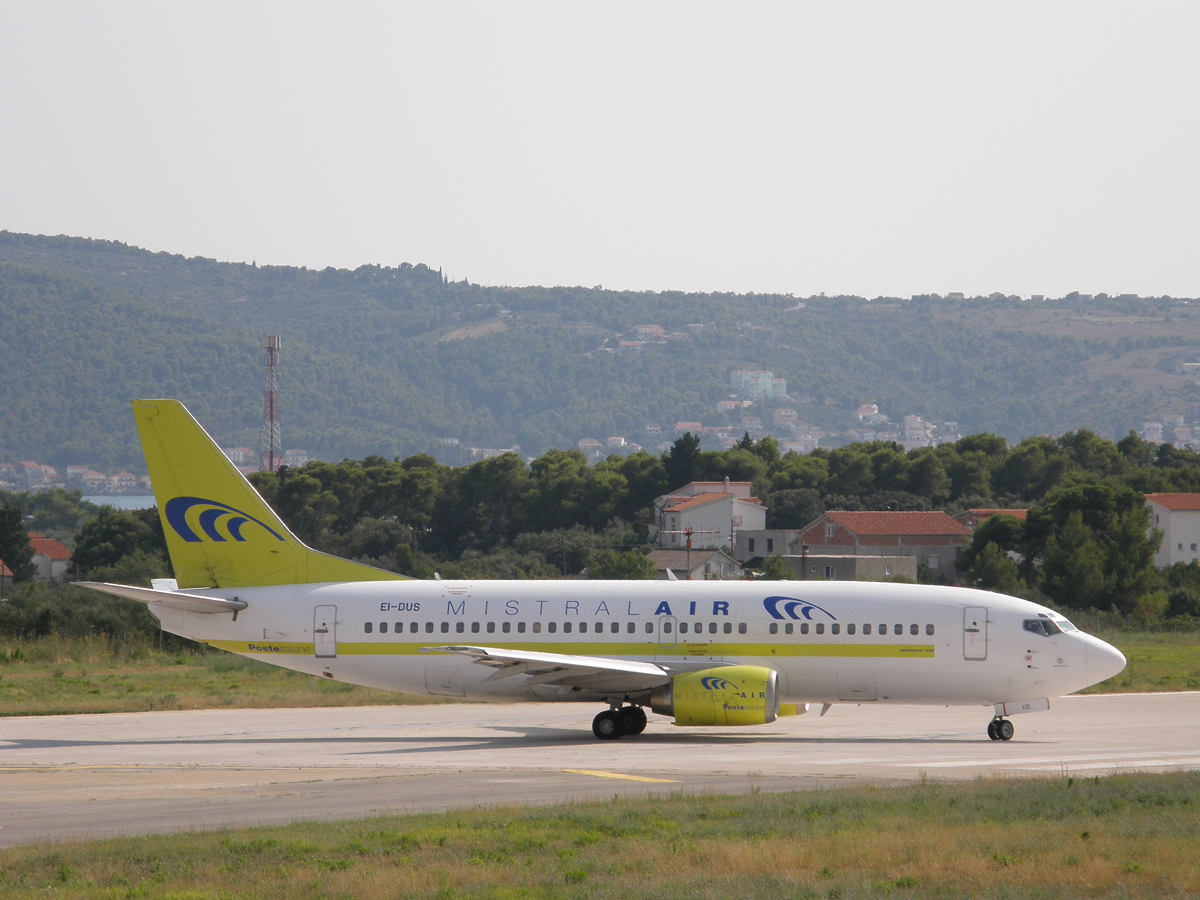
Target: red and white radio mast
[{"x": 270, "y": 441}]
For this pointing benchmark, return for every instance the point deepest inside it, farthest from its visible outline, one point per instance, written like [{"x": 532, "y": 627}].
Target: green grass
[
  {"x": 1156, "y": 662},
  {"x": 55, "y": 676},
  {"x": 1122, "y": 836}
]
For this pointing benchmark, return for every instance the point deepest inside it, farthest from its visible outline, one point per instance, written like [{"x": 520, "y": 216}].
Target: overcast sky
[{"x": 874, "y": 148}]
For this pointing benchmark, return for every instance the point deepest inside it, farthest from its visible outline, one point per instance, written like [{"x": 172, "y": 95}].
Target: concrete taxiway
[{"x": 101, "y": 775}]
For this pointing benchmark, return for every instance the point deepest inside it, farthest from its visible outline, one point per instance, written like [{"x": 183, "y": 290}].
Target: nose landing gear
[
  {"x": 615, "y": 723},
  {"x": 1000, "y": 729}
]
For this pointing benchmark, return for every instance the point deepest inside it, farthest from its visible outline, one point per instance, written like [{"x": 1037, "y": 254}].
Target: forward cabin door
[
  {"x": 975, "y": 632},
  {"x": 325, "y": 631}
]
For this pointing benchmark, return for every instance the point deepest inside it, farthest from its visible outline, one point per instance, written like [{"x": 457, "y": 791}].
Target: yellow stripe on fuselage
[{"x": 611, "y": 650}]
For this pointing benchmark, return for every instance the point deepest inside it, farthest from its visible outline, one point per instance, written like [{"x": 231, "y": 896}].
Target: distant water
[{"x": 123, "y": 501}]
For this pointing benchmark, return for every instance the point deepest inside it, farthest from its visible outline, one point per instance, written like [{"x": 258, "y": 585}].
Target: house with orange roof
[
  {"x": 931, "y": 537},
  {"x": 709, "y": 511},
  {"x": 1177, "y": 516},
  {"x": 6, "y": 575},
  {"x": 50, "y": 557}
]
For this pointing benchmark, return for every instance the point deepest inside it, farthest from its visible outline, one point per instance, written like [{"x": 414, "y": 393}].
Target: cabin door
[
  {"x": 975, "y": 632},
  {"x": 325, "y": 631},
  {"x": 666, "y": 631}
]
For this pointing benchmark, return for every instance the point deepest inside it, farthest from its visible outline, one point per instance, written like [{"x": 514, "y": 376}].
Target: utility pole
[{"x": 270, "y": 439}]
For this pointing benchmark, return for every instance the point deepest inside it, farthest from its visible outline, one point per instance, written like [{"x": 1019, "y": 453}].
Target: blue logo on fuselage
[
  {"x": 177, "y": 509},
  {"x": 793, "y": 608}
]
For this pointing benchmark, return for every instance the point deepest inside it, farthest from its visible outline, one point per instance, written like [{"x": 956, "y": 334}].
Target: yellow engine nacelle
[{"x": 727, "y": 695}]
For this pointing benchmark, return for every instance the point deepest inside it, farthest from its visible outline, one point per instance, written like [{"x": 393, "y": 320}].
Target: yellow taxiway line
[{"x": 595, "y": 773}]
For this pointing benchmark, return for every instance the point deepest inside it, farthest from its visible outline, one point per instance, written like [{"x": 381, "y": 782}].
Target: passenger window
[
  {"x": 445, "y": 627},
  {"x": 728, "y": 629},
  {"x": 929, "y": 629},
  {"x": 429, "y": 628},
  {"x": 552, "y": 627},
  {"x": 383, "y": 627},
  {"x": 369, "y": 627},
  {"x": 820, "y": 628},
  {"x": 741, "y": 627},
  {"x": 773, "y": 628},
  {"x": 491, "y": 627},
  {"x": 835, "y": 628},
  {"x": 506, "y": 627},
  {"x": 867, "y": 629},
  {"x": 649, "y": 627},
  {"x": 712, "y": 627},
  {"x": 583, "y": 627},
  {"x": 474, "y": 628},
  {"x": 415, "y": 627},
  {"x": 898, "y": 630},
  {"x": 537, "y": 627},
  {"x": 398, "y": 628},
  {"x": 666, "y": 627},
  {"x": 520, "y": 628},
  {"x": 914, "y": 629},
  {"x": 804, "y": 628},
  {"x": 849, "y": 629},
  {"x": 566, "y": 627},
  {"x": 615, "y": 627},
  {"x": 683, "y": 628},
  {"x": 788, "y": 628},
  {"x": 460, "y": 627}
]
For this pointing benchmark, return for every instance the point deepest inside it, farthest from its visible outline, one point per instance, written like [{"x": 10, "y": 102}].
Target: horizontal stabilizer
[{"x": 171, "y": 599}]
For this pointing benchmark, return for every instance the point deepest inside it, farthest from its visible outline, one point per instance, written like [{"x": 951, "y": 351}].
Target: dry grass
[
  {"x": 1125, "y": 836},
  {"x": 58, "y": 675}
]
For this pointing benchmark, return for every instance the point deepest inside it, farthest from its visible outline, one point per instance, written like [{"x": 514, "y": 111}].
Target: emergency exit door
[
  {"x": 975, "y": 632},
  {"x": 325, "y": 631}
]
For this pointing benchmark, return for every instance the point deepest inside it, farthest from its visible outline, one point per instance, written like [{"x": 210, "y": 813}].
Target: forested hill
[{"x": 385, "y": 360}]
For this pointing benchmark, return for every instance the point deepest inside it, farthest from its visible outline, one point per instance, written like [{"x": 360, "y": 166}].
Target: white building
[
  {"x": 294, "y": 459},
  {"x": 1177, "y": 516},
  {"x": 712, "y": 510}
]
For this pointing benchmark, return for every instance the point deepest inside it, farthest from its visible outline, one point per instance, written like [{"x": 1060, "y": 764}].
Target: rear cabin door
[
  {"x": 975, "y": 632},
  {"x": 325, "y": 631}
]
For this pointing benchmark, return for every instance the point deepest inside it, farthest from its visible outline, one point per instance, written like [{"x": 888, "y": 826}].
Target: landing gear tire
[
  {"x": 991, "y": 729},
  {"x": 1005, "y": 730},
  {"x": 607, "y": 725},
  {"x": 633, "y": 719}
]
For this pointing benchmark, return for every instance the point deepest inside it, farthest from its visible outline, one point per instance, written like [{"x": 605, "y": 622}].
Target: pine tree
[{"x": 15, "y": 550}]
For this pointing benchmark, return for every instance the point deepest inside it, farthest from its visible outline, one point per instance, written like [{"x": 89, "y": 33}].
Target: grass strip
[
  {"x": 1121, "y": 836},
  {"x": 56, "y": 675}
]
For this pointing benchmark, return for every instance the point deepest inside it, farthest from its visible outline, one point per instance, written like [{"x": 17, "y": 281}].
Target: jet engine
[{"x": 727, "y": 695}]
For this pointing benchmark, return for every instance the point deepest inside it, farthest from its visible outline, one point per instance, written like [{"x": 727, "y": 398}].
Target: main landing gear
[
  {"x": 614, "y": 723},
  {"x": 1000, "y": 729}
]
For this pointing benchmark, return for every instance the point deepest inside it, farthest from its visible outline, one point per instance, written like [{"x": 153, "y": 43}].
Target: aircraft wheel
[
  {"x": 607, "y": 726},
  {"x": 991, "y": 729},
  {"x": 1005, "y": 730},
  {"x": 633, "y": 719}
]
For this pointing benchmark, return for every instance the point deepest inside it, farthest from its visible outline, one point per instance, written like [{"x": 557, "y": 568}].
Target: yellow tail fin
[{"x": 220, "y": 532}]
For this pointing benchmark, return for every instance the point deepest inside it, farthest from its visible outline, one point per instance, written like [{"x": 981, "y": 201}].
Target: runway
[{"x": 101, "y": 775}]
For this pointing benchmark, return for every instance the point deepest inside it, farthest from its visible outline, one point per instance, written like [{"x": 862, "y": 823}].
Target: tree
[
  {"x": 793, "y": 508},
  {"x": 775, "y": 569},
  {"x": 993, "y": 570},
  {"x": 1072, "y": 570},
  {"x": 682, "y": 462},
  {"x": 15, "y": 550},
  {"x": 114, "y": 534},
  {"x": 625, "y": 565}
]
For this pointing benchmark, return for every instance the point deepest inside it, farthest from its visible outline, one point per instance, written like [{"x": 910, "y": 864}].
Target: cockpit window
[
  {"x": 1045, "y": 627},
  {"x": 1065, "y": 625}
]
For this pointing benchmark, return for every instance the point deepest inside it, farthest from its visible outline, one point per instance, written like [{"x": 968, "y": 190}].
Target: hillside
[{"x": 387, "y": 360}]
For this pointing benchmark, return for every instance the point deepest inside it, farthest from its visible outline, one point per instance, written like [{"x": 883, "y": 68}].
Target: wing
[
  {"x": 172, "y": 599},
  {"x": 590, "y": 673}
]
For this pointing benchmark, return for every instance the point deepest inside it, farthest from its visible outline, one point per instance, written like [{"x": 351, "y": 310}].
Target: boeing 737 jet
[{"x": 702, "y": 653}]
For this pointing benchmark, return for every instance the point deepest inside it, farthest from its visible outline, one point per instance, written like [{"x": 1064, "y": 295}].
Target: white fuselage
[{"x": 830, "y": 642}]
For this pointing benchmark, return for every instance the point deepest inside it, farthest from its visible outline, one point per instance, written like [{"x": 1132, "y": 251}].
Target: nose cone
[{"x": 1103, "y": 660}]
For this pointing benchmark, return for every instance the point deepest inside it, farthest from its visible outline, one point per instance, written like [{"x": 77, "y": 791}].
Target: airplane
[{"x": 712, "y": 653}]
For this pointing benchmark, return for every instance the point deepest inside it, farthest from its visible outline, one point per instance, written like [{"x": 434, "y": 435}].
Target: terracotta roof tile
[
  {"x": 681, "y": 503},
  {"x": 1176, "y": 502},
  {"x": 907, "y": 523},
  {"x": 49, "y": 547},
  {"x": 988, "y": 513}
]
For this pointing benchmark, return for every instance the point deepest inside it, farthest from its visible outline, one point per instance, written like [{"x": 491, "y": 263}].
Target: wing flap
[
  {"x": 595, "y": 672},
  {"x": 171, "y": 599}
]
